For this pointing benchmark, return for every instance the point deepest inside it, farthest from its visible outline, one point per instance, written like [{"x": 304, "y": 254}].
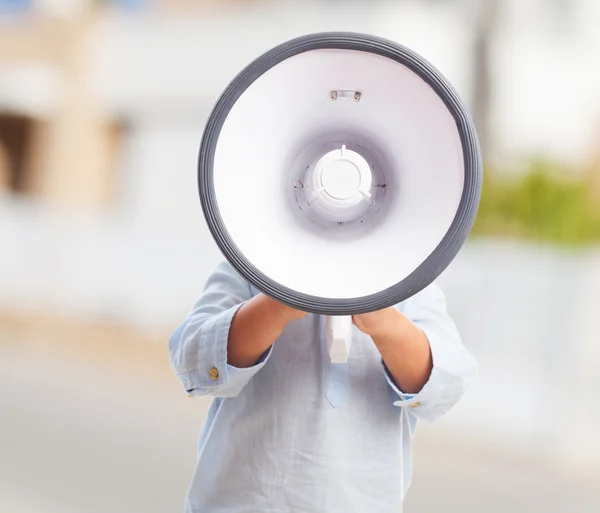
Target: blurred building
[
  {"x": 78, "y": 77},
  {"x": 102, "y": 105}
]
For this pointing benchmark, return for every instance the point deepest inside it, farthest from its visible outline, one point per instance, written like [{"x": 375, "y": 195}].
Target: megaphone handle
[{"x": 339, "y": 337}]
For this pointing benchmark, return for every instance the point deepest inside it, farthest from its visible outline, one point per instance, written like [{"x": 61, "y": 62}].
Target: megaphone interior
[{"x": 339, "y": 173}]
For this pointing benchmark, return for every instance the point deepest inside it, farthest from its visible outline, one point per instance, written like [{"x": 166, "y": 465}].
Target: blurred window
[
  {"x": 116, "y": 131},
  {"x": 15, "y": 138}
]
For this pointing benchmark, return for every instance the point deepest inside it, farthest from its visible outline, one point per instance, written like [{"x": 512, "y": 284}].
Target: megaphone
[{"x": 339, "y": 174}]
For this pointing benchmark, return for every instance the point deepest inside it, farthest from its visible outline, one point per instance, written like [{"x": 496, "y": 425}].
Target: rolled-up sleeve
[
  {"x": 453, "y": 366},
  {"x": 198, "y": 348}
]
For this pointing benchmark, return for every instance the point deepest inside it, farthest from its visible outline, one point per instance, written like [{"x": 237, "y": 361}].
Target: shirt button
[
  {"x": 415, "y": 404},
  {"x": 213, "y": 373}
]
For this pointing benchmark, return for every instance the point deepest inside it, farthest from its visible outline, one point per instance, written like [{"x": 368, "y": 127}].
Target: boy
[{"x": 288, "y": 431}]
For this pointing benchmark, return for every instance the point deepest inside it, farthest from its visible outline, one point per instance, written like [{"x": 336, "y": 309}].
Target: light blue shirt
[{"x": 295, "y": 433}]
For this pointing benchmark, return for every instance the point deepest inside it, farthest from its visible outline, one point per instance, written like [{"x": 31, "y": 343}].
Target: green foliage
[{"x": 542, "y": 205}]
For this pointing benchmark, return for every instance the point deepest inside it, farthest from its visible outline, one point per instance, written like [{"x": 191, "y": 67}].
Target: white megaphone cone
[{"x": 339, "y": 174}]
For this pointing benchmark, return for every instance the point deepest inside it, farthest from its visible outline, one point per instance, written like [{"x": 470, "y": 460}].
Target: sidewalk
[{"x": 94, "y": 426}]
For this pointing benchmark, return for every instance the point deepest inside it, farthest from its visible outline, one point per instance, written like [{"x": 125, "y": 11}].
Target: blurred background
[{"x": 103, "y": 247}]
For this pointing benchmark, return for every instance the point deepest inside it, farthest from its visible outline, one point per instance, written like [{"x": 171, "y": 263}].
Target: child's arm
[
  {"x": 402, "y": 344},
  {"x": 227, "y": 337},
  {"x": 256, "y": 325},
  {"x": 424, "y": 359}
]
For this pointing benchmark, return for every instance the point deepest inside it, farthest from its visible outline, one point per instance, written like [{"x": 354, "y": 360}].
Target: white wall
[
  {"x": 528, "y": 314},
  {"x": 106, "y": 268},
  {"x": 546, "y": 80}
]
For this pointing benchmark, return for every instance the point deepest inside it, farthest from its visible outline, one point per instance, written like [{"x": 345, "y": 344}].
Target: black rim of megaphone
[{"x": 433, "y": 265}]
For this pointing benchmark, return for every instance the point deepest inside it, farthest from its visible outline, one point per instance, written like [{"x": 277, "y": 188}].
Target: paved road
[{"x": 84, "y": 432}]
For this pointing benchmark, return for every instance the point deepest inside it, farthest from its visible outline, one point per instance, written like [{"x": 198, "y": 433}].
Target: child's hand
[
  {"x": 403, "y": 346},
  {"x": 254, "y": 328},
  {"x": 290, "y": 314},
  {"x": 379, "y": 323}
]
